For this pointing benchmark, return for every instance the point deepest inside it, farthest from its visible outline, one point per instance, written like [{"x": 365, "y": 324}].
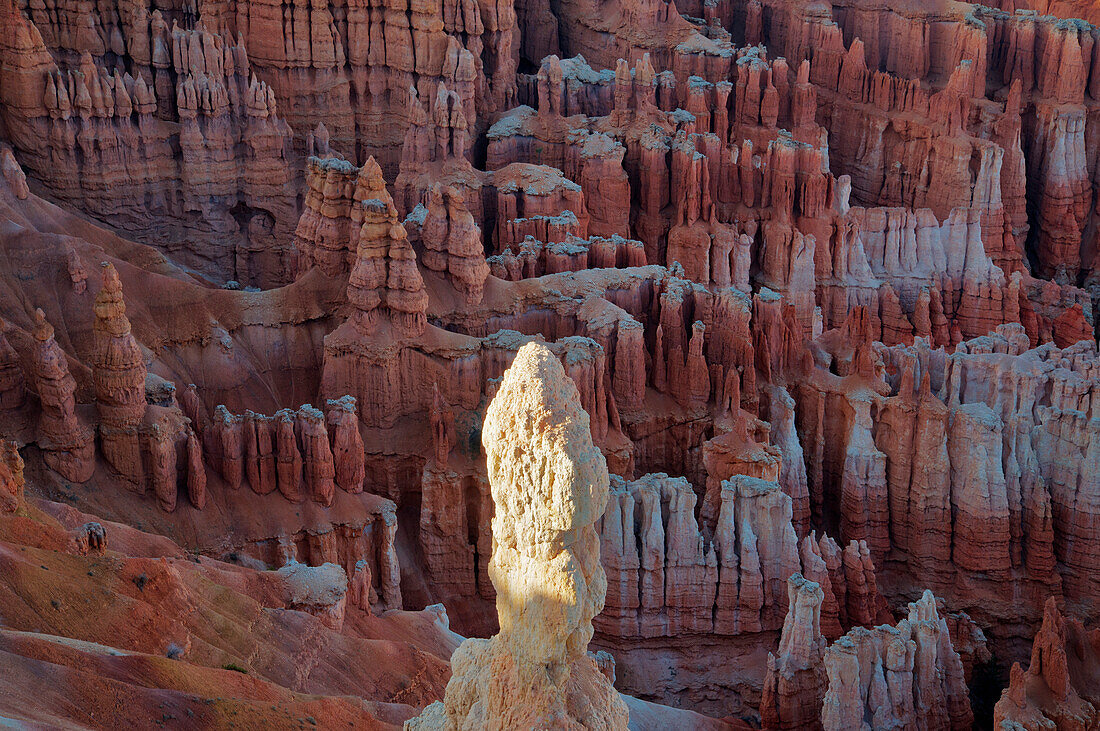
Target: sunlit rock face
[{"x": 549, "y": 486}]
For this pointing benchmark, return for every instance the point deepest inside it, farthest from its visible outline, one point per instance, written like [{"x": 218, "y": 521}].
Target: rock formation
[
  {"x": 196, "y": 472},
  {"x": 549, "y": 486},
  {"x": 13, "y": 390},
  {"x": 68, "y": 445},
  {"x": 90, "y": 539},
  {"x": 301, "y": 453},
  {"x": 119, "y": 374},
  {"x": 452, "y": 243},
  {"x": 326, "y": 234},
  {"x": 17, "y": 180},
  {"x": 668, "y": 575},
  {"x": 821, "y": 278},
  {"x": 104, "y": 135},
  {"x": 384, "y": 282},
  {"x": 12, "y": 481},
  {"x": 1058, "y": 689},
  {"x": 347, "y": 444},
  {"x": 795, "y": 682},
  {"x": 320, "y": 590},
  {"x": 903, "y": 676},
  {"x": 318, "y": 468}
]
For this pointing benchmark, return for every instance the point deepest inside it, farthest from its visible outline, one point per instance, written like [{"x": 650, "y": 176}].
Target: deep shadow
[{"x": 986, "y": 683}]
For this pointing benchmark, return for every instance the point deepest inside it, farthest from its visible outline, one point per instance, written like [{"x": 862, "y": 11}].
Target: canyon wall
[{"x": 749, "y": 344}]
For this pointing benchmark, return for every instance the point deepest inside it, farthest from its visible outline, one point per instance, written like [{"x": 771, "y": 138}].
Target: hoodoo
[{"x": 549, "y": 486}]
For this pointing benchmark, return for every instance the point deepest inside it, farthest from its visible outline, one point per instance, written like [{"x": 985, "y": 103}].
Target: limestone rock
[
  {"x": 347, "y": 444},
  {"x": 13, "y": 390},
  {"x": 452, "y": 242},
  {"x": 326, "y": 233},
  {"x": 907, "y": 675},
  {"x": 549, "y": 485},
  {"x": 795, "y": 683},
  {"x": 1058, "y": 689},
  {"x": 11, "y": 478},
  {"x": 13, "y": 174},
  {"x": 90, "y": 538},
  {"x": 196, "y": 472},
  {"x": 384, "y": 281},
  {"x": 320, "y": 590}
]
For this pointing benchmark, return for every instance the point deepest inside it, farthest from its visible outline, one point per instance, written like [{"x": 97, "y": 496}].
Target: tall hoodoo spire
[
  {"x": 68, "y": 446},
  {"x": 550, "y": 486},
  {"x": 118, "y": 371}
]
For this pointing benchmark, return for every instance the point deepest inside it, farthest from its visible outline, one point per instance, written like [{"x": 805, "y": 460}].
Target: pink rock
[
  {"x": 196, "y": 472},
  {"x": 229, "y": 431},
  {"x": 442, "y": 427},
  {"x": 913, "y": 660},
  {"x": 288, "y": 456},
  {"x": 11, "y": 478},
  {"x": 163, "y": 474},
  {"x": 795, "y": 683},
  {"x": 259, "y": 443},
  {"x": 13, "y": 390},
  {"x": 317, "y": 461},
  {"x": 360, "y": 591},
  {"x": 347, "y": 444},
  {"x": 385, "y": 281},
  {"x": 1053, "y": 691},
  {"x": 453, "y": 244}
]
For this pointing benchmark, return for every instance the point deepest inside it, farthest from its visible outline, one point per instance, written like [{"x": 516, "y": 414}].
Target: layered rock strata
[
  {"x": 119, "y": 371},
  {"x": 100, "y": 134},
  {"x": 795, "y": 683},
  {"x": 668, "y": 576},
  {"x": 68, "y": 444}
]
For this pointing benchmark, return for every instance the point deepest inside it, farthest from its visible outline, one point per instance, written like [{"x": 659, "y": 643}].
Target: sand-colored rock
[{"x": 549, "y": 485}]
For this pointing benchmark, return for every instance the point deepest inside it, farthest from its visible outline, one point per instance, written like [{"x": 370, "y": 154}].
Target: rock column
[
  {"x": 550, "y": 486},
  {"x": 68, "y": 447},
  {"x": 795, "y": 682},
  {"x": 118, "y": 371}
]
